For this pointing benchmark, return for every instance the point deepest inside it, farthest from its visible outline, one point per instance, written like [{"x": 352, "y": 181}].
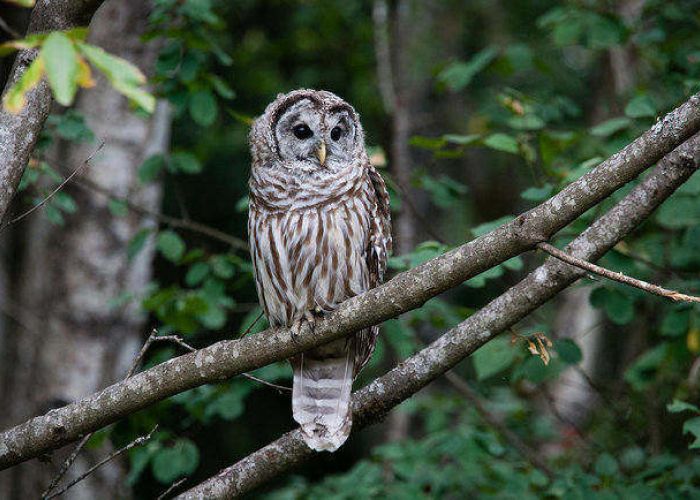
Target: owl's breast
[{"x": 310, "y": 259}]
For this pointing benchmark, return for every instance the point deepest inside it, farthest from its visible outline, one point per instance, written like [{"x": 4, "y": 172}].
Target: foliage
[{"x": 62, "y": 58}]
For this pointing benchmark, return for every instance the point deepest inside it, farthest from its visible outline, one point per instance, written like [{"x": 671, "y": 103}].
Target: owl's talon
[{"x": 306, "y": 323}]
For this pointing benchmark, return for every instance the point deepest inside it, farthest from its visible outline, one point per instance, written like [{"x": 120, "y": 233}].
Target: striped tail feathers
[{"x": 321, "y": 397}]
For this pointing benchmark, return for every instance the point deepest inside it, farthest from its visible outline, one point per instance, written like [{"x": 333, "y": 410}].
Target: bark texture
[
  {"x": 376, "y": 399},
  {"x": 406, "y": 291},
  {"x": 80, "y": 342}
]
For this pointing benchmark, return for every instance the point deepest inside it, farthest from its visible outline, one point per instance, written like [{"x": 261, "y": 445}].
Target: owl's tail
[{"x": 321, "y": 397}]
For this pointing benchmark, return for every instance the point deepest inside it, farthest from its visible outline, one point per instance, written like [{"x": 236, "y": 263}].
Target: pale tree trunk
[{"x": 71, "y": 273}]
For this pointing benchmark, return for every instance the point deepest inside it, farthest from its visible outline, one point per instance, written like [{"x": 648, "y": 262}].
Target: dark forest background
[{"x": 474, "y": 112}]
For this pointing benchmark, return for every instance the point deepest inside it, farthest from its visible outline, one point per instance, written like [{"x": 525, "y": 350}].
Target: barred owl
[{"x": 320, "y": 231}]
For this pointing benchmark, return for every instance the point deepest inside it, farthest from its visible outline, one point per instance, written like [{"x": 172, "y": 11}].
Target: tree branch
[
  {"x": 619, "y": 277},
  {"x": 19, "y": 132},
  {"x": 373, "y": 401},
  {"x": 406, "y": 291}
]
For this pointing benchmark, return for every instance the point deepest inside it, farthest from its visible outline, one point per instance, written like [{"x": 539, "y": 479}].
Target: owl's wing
[
  {"x": 380, "y": 245},
  {"x": 380, "y": 230}
]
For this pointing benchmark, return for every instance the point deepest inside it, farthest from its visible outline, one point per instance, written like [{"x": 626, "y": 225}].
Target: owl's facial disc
[
  {"x": 310, "y": 138},
  {"x": 299, "y": 132}
]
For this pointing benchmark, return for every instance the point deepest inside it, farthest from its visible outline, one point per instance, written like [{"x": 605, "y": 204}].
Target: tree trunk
[{"x": 70, "y": 274}]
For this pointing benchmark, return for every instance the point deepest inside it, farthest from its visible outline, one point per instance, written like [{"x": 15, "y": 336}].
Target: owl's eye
[
  {"x": 336, "y": 133},
  {"x": 302, "y": 131}
]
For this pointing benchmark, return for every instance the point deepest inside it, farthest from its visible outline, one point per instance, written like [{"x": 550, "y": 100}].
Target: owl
[{"x": 320, "y": 232}]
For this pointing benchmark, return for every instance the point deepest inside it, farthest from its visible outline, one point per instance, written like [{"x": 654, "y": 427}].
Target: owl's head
[{"x": 310, "y": 131}]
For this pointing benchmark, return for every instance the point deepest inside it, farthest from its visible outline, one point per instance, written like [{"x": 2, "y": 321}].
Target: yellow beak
[{"x": 321, "y": 153}]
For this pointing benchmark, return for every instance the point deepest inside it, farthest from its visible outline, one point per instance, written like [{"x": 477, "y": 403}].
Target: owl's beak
[{"x": 321, "y": 153}]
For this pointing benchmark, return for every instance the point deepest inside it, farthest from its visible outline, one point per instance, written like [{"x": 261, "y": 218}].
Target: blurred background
[{"x": 474, "y": 112}]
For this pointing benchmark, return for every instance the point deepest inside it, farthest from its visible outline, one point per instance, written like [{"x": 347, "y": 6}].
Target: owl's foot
[{"x": 303, "y": 324}]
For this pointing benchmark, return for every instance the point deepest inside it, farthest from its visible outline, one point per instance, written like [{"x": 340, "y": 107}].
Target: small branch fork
[
  {"x": 136, "y": 442},
  {"x": 615, "y": 276}
]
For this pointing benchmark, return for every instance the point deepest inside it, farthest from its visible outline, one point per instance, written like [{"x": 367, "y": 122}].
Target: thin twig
[
  {"x": 495, "y": 422},
  {"x": 175, "y": 339},
  {"x": 247, "y": 330},
  {"x": 136, "y": 442},
  {"x": 7, "y": 29},
  {"x": 66, "y": 465},
  {"x": 170, "y": 489},
  {"x": 175, "y": 222},
  {"x": 56, "y": 190},
  {"x": 619, "y": 277},
  {"x": 280, "y": 388}
]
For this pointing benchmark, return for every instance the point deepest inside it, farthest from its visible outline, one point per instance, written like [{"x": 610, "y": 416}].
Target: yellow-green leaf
[
  {"x": 84, "y": 77},
  {"x": 15, "y": 99},
  {"x": 22, "y": 3},
  {"x": 138, "y": 96},
  {"x": 28, "y": 42},
  {"x": 116, "y": 69},
  {"x": 61, "y": 62}
]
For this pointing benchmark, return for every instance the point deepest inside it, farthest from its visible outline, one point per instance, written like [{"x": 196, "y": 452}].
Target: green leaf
[
  {"x": 151, "y": 167},
  {"x": 22, "y": 3},
  {"x": 606, "y": 465},
  {"x": 118, "y": 208},
  {"x": 203, "y": 108},
  {"x": 15, "y": 98},
  {"x": 65, "y": 202},
  {"x": 610, "y": 127},
  {"x": 527, "y": 122},
  {"x": 61, "y": 63},
  {"x": 692, "y": 426},
  {"x": 124, "y": 76},
  {"x": 618, "y": 306},
  {"x": 458, "y": 75},
  {"x": 569, "y": 352},
  {"x": 138, "y": 96},
  {"x": 185, "y": 162},
  {"x": 538, "y": 193},
  {"x": 494, "y": 357},
  {"x": 502, "y": 142},
  {"x": 197, "y": 273},
  {"x": 171, "y": 245},
  {"x": 221, "y": 87},
  {"x": 462, "y": 140},
  {"x": 679, "y": 406},
  {"x": 676, "y": 322},
  {"x": 679, "y": 212},
  {"x": 222, "y": 267},
  {"x": 114, "y": 68},
  {"x": 54, "y": 214},
  {"x": 641, "y": 106},
  {"x": 137, "y": 243},
  {"x": 174, "y": 462}
]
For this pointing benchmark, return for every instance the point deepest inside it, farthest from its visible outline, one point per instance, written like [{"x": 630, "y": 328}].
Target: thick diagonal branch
[
  {"x": 375, "y": 400},
  {"x": 406, "y": 291},
  {"x": 19, "y": 133}
]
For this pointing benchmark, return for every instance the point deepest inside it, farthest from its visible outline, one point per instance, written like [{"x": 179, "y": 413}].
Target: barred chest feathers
[{"x": 309, "y": 242}]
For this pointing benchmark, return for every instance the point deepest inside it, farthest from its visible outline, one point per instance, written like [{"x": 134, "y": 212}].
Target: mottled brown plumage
[{"x": 320, "y": 233}]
